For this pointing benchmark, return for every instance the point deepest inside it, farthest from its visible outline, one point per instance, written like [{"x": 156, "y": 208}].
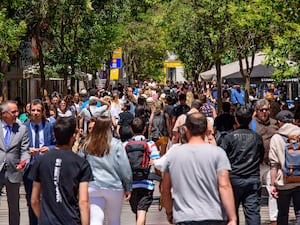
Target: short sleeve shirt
[{"x": 60, "y": 172}]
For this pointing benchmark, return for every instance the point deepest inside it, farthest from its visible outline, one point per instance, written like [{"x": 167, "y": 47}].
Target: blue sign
[{"x": 116, "y": 63}]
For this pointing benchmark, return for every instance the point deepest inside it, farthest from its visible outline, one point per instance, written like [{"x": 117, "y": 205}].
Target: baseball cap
[
  {"x": 83, "y": 91},
  {"x": 285, "y": 116}
]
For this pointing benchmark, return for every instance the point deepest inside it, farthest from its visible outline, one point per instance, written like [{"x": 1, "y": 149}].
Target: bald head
[{"x": 196, "y": 123}]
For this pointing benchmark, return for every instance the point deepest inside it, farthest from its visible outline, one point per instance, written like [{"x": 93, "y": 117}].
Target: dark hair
[
  {"x": 202, "y": 98},
  {"x": 196, "y": 123},
  {"x": 196, "y": 104},
  {"x": 225, "y": 91},
  {"x": 244, "y": 115},
  {"x": 126, "y": 104},
  {"x": 137, "y": 125},
  {"x": 64, "y": 128},
  {"x": 37, "y": 102},
  {"x": 141, "y": 100},
  {"x": 182, "y": 97},
  {"x": 226, "y": 106}
]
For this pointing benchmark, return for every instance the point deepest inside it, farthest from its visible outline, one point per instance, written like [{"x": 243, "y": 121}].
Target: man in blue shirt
[{"x": 237, "y": 95}]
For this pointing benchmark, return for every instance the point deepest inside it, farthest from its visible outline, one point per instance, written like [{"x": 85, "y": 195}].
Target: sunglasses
[
  {"x": 13, "y": 112},
  {"x": 264, "y": 110}
]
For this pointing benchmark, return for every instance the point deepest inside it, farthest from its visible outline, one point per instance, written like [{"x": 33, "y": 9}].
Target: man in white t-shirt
[{"x": 91, "y": 111}]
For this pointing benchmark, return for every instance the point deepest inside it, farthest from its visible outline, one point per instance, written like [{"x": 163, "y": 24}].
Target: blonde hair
[{"x": 189, "y": 98}]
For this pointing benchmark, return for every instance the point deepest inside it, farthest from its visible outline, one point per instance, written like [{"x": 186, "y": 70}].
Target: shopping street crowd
[{"x": 80, "y": 155}]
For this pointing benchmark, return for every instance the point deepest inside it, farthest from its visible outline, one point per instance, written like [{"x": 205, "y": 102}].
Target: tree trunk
[
  {"x": 3, "y": 69},
  {"x": 65, "y": 87},
  {"x": 41, "y": 61},
  {"x": 41, "y": 64},
  {"x": 247, "y": 87}
]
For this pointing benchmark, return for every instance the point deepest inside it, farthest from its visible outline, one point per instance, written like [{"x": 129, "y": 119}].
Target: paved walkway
[{"x": 154, "y": 217}]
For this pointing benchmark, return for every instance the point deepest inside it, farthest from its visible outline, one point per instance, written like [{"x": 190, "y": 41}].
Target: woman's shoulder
[{"x": 116, "y": 143}]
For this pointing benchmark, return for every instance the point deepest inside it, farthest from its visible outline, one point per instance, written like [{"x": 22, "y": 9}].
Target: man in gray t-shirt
[{"x": 198, "y": 174}]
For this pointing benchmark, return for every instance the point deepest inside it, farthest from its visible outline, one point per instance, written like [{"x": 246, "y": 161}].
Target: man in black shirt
[
  {"x": 245, "y": 151},
  {"x": 61, "y": 177},
  {"x": 224, "y": 123},
  {"x": 179, "y": 109}
]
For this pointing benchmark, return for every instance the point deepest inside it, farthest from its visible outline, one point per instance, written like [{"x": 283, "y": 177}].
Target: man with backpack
[
  {"x": 285, "y": 166},
  {"x": 141, "y": 154}
]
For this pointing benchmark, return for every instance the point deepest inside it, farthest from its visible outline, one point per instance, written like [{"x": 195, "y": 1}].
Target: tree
[
  {"x": 12, "y": 30},
  {"x": 77, "y": 36},
  {"x": 199, "y": 35},
  {"x": 250, "y": 29},
  {"x": 283, "y": 50},
  {"x": 143, "y": 41}
]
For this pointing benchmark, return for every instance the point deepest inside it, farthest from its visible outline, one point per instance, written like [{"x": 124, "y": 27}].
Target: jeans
[
  {"x": 28, "y": 189},
  {"x": 248, "y": 192},
  {"x": 206, "y": 222},
  {"x": 283, "y": 202},
  {"x": 105, "y": 201}
]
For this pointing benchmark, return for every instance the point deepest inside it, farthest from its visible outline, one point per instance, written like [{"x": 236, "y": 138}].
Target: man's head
[
  {"x": 36, "y": 110},
  {"x": 196, "y": 124},
  {"x": 138, "y": 126},
  {"x": 92, "y": 100},
  {"x": 226, "y": 106},
  {"x": 9, "y": 112},
  {"x": 182, "y": 98},
  {"x": 262, "y": 109},
  {"x": 196, "y": 104},
  {"x": 64, "y": 131},
  {"x": 54, "y": 100},
  {"x": 243, "y": 115},
  {"x": 203, "y": 98},
  {"x": 285, "y": 116},
  {"x": 94, "y": 92}
]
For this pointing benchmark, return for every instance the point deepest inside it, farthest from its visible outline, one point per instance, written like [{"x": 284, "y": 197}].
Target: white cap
[{"x": 83, "y": 91}]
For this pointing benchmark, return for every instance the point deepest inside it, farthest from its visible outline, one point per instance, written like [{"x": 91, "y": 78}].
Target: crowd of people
[{"x": 73, "y": 154}]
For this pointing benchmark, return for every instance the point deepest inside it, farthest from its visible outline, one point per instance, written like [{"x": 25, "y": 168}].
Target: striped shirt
[{"x": 154, "y": 154}]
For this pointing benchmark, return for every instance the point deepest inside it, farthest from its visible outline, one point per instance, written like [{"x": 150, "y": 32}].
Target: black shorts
[{"x": 141, "y": 199}]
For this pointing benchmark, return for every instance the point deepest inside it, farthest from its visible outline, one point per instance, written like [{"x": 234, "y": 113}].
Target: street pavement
[{"x": 154, "y": 216}]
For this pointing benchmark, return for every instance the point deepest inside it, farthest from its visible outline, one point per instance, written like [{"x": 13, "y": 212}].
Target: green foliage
[
  {"x": 143, "y": 41},
  {"x": 10, "y": 35},
  {"x": 283, "y": 50},
  {"x": 197, "y": 32}
]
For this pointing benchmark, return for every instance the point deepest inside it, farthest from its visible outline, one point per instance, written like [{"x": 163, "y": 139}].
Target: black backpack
[
  {"x": 159, "y": 127},
  {"x": 138, "y": 154}
]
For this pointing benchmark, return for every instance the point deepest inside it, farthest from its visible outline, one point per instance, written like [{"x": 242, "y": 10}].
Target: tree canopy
[{"x": 74, "y": 35}]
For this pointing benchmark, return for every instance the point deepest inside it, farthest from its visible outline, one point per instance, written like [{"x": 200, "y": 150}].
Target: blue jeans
[
  {"x": 283, "y": 202},
  {"x": 248, "y": 192},
  {"x": 206, "y": 222},
  {"x": 28, "y": 189}
]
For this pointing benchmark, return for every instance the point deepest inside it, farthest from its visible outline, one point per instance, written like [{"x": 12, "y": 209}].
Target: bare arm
[
  {"x": 273, "y": 189},
  {"x": 35, "y": 198},
  {"x": 226, "y": 195},
  {"x": 214, "y": 112},
  {"x": 169, "y": 127},
  {"x": 84, "y": 203},
  {"x": 150, "y": 123},
  {"x": 166, "y": 186},
  {"x": 103, "y": 102}
]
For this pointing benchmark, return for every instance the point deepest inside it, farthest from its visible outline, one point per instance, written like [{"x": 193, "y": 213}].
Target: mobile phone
[{"x": 22, "y": 163}]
